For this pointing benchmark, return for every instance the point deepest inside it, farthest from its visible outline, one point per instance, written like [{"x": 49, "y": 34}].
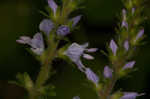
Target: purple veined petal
[
  {"x": 75, "y": 20},
  {"x": 74, "y": 52},
  {"x": 76, "y": 97},
  {"x": 130, "y": 95},
  {"x": 37, "y": 41},
  {"x": 88, "y": 57},
  {"x": 37, "y": 44},
  {"x": 24, "y": 40},
  {"x": 80, "y": 65},
  {"x": 63, "y": 30},
  {"x": 91, "y": 76},
  {"x": 140, "y": 34},
  {"x": 91, "y": 50},
  {"x": 107, "y": 72},
  {"x": 53, "y": 6},
  {"x": 126, "y": 45},
  {"x": 46, "y": 26},
  {"x": 113, "y": 46},
  {"x": 129, "y": 65}
]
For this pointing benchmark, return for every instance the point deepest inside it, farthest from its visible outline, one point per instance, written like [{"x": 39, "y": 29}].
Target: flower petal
[
  {"x": 140, "y": 34},
  {"x": 91, "y": 50},
  {"x": 74, "y": 52},
  {"x": 107, "y": 72},
  {"x": 126, "y": 45},
  {"x": 91, "y": 76},
  {"x": 130, "y": 95},
  {"x": 80, "y": 65},
  {"x": 37, "y": 41},
  {"x": 113, "y": 46},
  {"x": 63, "y": 30},
  {"x": 129, "y": 65},
  {"x": 88, "y": 57},
  {"x": 53, "y": 6},
  {"x": 75, "y": 20},
  {"x": 24, "y": 40},
  {"x": 46, "y": 26}
]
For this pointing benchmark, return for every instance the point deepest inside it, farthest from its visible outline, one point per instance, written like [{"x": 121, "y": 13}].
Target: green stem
[
  {"x": 45, "y": 69},
  {"x": 49, "y": 55}
]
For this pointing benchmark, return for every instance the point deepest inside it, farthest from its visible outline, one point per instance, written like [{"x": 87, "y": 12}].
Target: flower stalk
[
  {"x": 58, "y": 25},
  {"x": 123, "y": 49},
  {"x": 55, "y": 29}
]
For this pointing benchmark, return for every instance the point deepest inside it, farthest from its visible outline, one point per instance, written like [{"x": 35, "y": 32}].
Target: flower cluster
[
  {"x": 46, "y": 26},
  {"x": 58, "y": 25},
  {"x": 120, "y": 52},
  {"x": 75, "y": 52},
  {"x": 44, "y": 44}
]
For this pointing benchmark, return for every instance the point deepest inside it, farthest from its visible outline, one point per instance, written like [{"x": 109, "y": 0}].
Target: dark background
[{"x": 22, "y": 17}]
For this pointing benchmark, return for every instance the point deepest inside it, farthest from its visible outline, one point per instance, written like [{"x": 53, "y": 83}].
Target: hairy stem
[{"x": 45, "y": 69}]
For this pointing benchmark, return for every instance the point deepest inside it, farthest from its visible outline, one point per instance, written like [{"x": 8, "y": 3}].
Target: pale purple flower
[
  {"x": 88, "y": 57},
  {"x": 139, "y": 35},
  {"x": 91, "y": 50},
  {"x": 76, "y": 97},
  {"x": 46, "y": 26},
  {"x": 113, "y": 46},
  {"x": 80, "y": 65},
  {"x": 91, "y": 76},
  {"x": 75, "y": 20},
  {"x": 53, "y": 6},
  {"x": 129, "y": 65},
  {"x": 108, "y": 72},
  {"x": 130, "y": 95},
  {"x": 36, "y": 43},
  {"x": 76, "y": 51},
  {"x": 63, "y": 30},
  {"x": 126, "y": 45},
  {"x": 24, "y": 40}
]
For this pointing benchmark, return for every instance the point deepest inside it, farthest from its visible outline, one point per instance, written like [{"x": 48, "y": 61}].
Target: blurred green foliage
[{"x": 22, "y": 17}]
